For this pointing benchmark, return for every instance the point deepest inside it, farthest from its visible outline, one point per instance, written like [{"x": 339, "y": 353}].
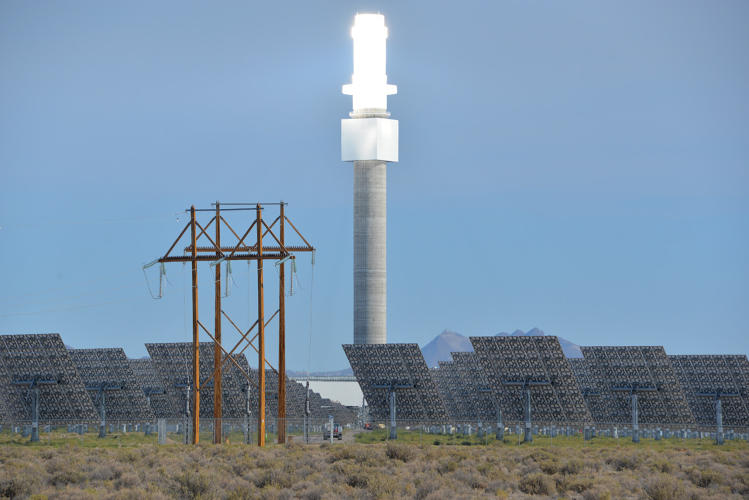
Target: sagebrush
[{"x": 601, "y": 470}]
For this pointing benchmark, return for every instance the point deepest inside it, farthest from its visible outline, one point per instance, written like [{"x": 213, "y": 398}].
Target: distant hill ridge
[
  {"x": 442, "y": 345},
  {"x": 570, "y": 349}
]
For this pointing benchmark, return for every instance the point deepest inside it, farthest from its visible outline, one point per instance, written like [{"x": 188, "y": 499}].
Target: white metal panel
[{"x": 369, "y": 139}]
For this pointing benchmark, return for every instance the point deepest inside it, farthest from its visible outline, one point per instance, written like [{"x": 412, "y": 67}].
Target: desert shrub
[
  {"x": 16, "y": 487},
  {"x": 127, "y": 455},
  {"x": 341, "y": 453},
  {"x": 573, "y": 466},
  {"x": 577, "y": 484},
  {"x": 238, "y": 493},
  {"x": 476, "y": 482},
  {"x": 596, "y": 495},
  {"x": 447, "y": 466},
  {"x": 541, "y": 455},
  {"x": 501, "y": 494},
  {"x": 67, "y": 475},
  {"x": 740, "y": 483},
  {"x": 724, "y": 458},
  {"x": 369, "y": 456},
  {"x": 597, "y": 471},
  {"x": 274, "y": 477},
  {"x": 357, "y": 480},
  {"x": 130, "y": 494},
  {"x": 665, "y": 487},
  {"x": 105, "y": 471},
  {"x": 192, "y": 484},
  {"x": 397, "y": 451},
  {"x": 549, "y": 467},
  {"x": 499, "y": 475},
  {"x": 704, "y": 477},
  {"x": 664, "y": 466},
  {"x": 470, "y": 478},
  {"x": 425, "y": 489},
  {"x": 537, "y": 484},
  {"x": 382, "y": 485},
  {"x": 624, "y": 462},
  {"x": 343, "y": 469},
  {"x": 127, "y": 480},
  {"x": 316, "y": 494},
  {"x": 484, "y": 468}
]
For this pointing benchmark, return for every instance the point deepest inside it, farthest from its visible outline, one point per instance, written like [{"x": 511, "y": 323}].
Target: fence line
[{"x": 318, "y": 429}]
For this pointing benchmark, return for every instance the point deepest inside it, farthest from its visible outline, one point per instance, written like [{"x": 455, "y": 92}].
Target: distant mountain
[
  {"x": 442, "y": 345},
  {"x": 570, "y": 349}
]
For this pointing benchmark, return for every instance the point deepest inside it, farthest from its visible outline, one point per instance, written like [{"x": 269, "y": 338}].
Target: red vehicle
[{"x": 368, "y": 426}]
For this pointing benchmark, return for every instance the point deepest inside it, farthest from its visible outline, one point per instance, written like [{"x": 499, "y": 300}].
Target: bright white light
[{"x": 369, "y": 86}]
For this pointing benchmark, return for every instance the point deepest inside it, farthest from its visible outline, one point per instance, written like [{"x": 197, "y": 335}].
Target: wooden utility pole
[
  {"x": 281, "y": 423},
  {"x": 195, "y": 338},
  {"x": 216, "y": 254},
  {"x": 217, "y": 390},
  {"x": 261, "y": 330}
]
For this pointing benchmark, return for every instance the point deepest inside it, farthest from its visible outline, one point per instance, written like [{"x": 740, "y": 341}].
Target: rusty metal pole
[
  {"x": 217, "y": 390},
  {"x": 195, "y": 339},
  {"x": 281, "y": 343},
  {"x": 261, "y": 331}
]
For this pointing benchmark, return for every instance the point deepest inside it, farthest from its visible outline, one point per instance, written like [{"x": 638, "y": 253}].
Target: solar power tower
[
  {"x": 153, "y": 388},
  {"x": 716, "y": 388},
  {"x": 387, "y": 372},
  {"x": 112, "y": 385},
  {"x": 531, "y": 374},
  {"x": 588, "y": 388},
  {"x": 44, "y": 385},
  {"x": 480, "y": 404},
  {"x": 637, "y": 385}
]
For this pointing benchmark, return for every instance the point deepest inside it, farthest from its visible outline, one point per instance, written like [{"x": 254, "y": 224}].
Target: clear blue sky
[{"x": 582, "y": 167}]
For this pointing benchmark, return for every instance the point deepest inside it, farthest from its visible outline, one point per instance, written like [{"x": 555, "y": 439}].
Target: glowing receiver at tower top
[{"x": 369, "y": 86}]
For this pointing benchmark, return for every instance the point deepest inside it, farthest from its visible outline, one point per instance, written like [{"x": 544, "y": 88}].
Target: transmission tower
[{"x": 217, "y": 252}]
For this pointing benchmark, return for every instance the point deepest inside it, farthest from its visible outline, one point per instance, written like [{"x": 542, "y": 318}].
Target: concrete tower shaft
[{"x": 370, "y": 252}]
